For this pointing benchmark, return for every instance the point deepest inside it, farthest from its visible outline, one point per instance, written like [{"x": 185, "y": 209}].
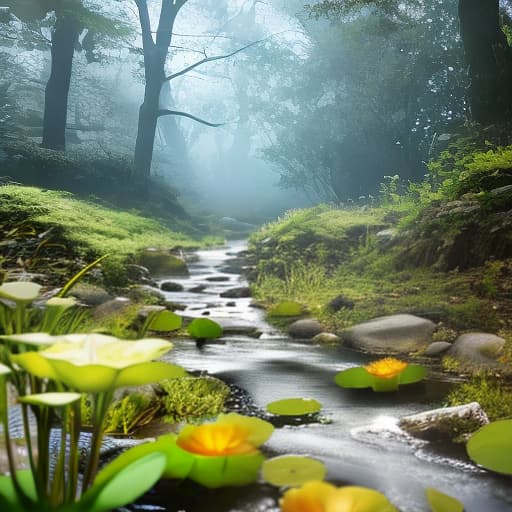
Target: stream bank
[{"x": 360, "y": 443}]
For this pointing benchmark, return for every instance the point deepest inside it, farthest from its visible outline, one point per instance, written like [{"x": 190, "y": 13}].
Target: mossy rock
[{"x": 161, "y": 262}]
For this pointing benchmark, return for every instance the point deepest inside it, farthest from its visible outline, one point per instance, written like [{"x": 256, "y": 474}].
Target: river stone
[
  {"x": 171, "y": 286},
  {"x": 137, "y": 274},
  {"x": 198, "y": 289},
  {"x": 327, "y": 338},
  {"x": 452, "y": 423},
  {"x": 306, "y": 328},
  {"x": 112, "y": 307},
  {"x": 162, "y": 262},
  {"x": 234, "y": 326},
  {"x": 437, "y": 348},
  {"x": 90, "y": 295},
  {"x": 237, "y": 293},
  {"x": 477, "y": 347},
  {"x": 340, "y": 302},
  {"x": 396, "y": 333},
  {"x": 143, "y": 293}
]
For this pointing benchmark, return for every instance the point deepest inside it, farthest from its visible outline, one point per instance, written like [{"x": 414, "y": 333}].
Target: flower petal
[
  {"x": 311, "y": 497},
  {"x": 357, "y": 499},
  {"x": 257, "y": 431},
  {"x": 20, "y": 291}
]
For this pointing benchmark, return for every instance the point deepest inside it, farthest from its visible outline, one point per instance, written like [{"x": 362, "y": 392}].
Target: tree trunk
[
  {"x": 64, "y": 38},
  {"x": 489, "y": 60}
]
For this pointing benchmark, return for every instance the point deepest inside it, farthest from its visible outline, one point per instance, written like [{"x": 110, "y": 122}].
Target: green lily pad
[
  {"x": 286, "y": 308},
  {"x": 292, "y": 470},
  {"x": 356, "y": 377},
  {"x": 50, "y": 399},
  {"x": 294, "y": 406},
  {"x": 165, "y": 321},
  {"x": 491, "y": 447},
  {"x": 413, "y": 373},
  {"x": 440, "y": 502},
  {"x": 204, "y": 328},
  {"x": 225, "y": 471}
]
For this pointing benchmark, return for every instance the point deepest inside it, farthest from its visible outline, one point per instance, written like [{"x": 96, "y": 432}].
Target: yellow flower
[
  {"x": 324, "y": 497},
  {"x": 311, "y": 497},
  {"x": 231, "y": 434},
  {"x": 386, "y": 368}
]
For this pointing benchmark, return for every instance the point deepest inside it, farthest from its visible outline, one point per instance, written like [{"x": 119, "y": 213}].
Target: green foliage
[
  {"x": 494, "y": 396},
  {"x": 193, "y": 399},
  {"x": 491, "y": 447},
  {"x": 286, "y": 308}
]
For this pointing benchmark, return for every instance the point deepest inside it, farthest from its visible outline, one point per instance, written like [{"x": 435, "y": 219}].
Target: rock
[
  {"x": 385, "y": 237},
  {"x": 197, "y": 289},
  {"x": 477, "y": 347},
  {"x": 237, "y": 293},
  {"x": 306, "y": 328},
  {"x": 327, "y": 338},
  {"x": 340, "y": 302},
  {"x": 231, "y": 304},
  {"x": 149, "y": 294},
  {"x": 161, "y": 262},
  {"x": 175, "y": 306},
  {"x": 217, "y": 279},
  {"x": 232, "y": 326},
  {"x": 452, "y": 423},
  {"x": 145, "y": 311},
  {"x": 387, "y": 334},
  {"x": 90, "y": 294},
  {"x": 171, "y": 286},
  {"x": 437, "y": 348},
  {"x": 112, "y": 307},
  {"x": 137, "y": 274}
]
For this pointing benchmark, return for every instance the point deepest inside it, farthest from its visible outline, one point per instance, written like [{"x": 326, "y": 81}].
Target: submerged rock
[
  {"x": 171, "y": 286},
  {"x": 395, "y": 333},
  {"x": 478, "y": 347},
  {"x": 237, "y": 293},
  {"x": 448, "y": 423},
  {"x": 306, "y": 328}
]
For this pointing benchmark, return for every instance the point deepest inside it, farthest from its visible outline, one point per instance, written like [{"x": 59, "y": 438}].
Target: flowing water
[{"x": 361, "y": 444}]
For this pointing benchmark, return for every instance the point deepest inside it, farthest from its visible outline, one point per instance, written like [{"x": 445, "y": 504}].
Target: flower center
[{"x": 386, "y": 368}]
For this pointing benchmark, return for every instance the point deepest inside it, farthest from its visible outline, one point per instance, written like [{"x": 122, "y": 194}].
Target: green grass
[{"x": 92, "y": 228}]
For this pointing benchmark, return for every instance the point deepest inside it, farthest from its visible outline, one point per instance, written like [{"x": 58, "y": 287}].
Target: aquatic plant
[
  {"x": 381, "y": 375},
  {"x": 204, "y": 329},
  {"x": 50, "y": 373},
  {"x": 320, "y": 496},
  {"x": 292, "y": 470},
  {"x": 294, "y": 406}
]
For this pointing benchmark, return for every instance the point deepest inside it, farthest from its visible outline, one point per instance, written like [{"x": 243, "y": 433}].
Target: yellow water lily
[
  {"x": 386, "y": 368},
  {"x": 230, "y": 434},
  {"x": 94, "y": 363},
  {"x": 323, "y": 497}
]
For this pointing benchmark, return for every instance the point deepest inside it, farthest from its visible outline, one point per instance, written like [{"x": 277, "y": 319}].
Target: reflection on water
[{"x": 362, "y": 444}]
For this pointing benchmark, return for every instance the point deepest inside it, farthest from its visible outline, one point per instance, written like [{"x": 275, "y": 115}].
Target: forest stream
[{"x": 360, "y": 442}]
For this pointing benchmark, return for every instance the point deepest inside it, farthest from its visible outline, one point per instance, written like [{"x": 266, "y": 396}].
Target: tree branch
[
  {"x": 145, "y": 24},
  {"x": 211, "y": 59},
  {"x": 190, "y": 116}
]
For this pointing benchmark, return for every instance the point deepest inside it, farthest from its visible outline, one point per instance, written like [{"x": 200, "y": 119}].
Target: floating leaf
[
  {"x": 294, "y": 406},
  {"x": 292, "y": 470},
  {"x": 286, "y": 308},
  {"x": 413, "y": 373},
  {"x": 491, "y": 447},
  {"x": 204, "y": 328},
  {"x": 20, "y": 291},
  {"x": 165, "y": 321},
  {"x": 440, "y": 502},
  {"x": 50, "y": 399},
  {"x": 356, "y": 377}
]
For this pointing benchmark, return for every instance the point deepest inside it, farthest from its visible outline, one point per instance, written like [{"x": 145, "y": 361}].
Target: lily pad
[
  {"x": 356, "y": 377},
  {"x": 294, "y": 406},
  {"x": 286, "y": 308},
  {"x": 204, "y": 328},
  {"x": 440, "y": 502},
  {"x": 413, "y": 373},
  {"x": 165, "y": 321},
  {"x": 491, "y": 447},
  {"x": 292, "y": 470}
]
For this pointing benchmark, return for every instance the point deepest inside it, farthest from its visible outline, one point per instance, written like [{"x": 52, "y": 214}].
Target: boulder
[
  {"x": 171, "y": 286},
  {"x": 234, "y": 327},
  {"x": 198, "y": 289},
  {"x": 90, "y": 295},
  {"x": 437, "y": 348},
  {"x": 306, "y": 328},
  {"x": 217, "y": 279},
  {"x": 387, "y": 334},
  {"x": 477, "y": 347},
  {"x": 147, "y": 294},
  {"x": 327, "y": 338},
  {"x": 161, "y": 262},
  {"x": 112, "y": 307},
  {"x": 237, "y": 293},
  {"x": 447, "y": 423},
  {"x": 137, "y": 274}
]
